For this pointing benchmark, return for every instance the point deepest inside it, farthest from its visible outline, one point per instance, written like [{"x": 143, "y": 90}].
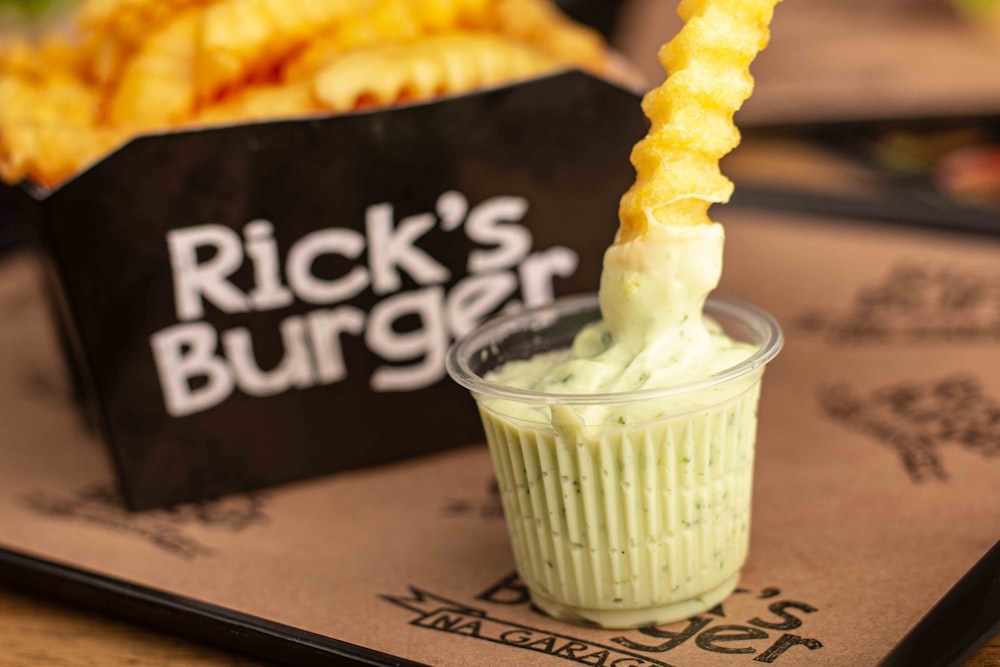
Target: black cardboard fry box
[{"x": 264, "y": 302}]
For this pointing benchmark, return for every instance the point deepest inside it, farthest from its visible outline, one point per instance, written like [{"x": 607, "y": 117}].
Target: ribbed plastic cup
[{"x": 621, "y": 525}]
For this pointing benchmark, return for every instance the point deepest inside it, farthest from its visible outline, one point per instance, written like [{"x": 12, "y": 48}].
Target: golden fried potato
[
  {"x": 239, "y": 37},
  {"x": 142, "y": 65},
  {"x": 388, "y": 21},
  {"x": 157, "y": 85},
  {"x": 53, "y": 56},
  {"x": 59, "y": 98},
  {"x": 112, "y": 30},
  {"x": 129, "y": 21},
  {"x": 438, "y": 65},
  {"x": 677, "y": 164},
  {"x": 48, "y": 128},
  {"x": 444, "y": 15},
  {"x": 540, "y": 24},
  {"x": 304, "y": 64},
  {"x": 262, "y": 103},
  {"x": 103, "y": 59},
  {"x": 50, "y": 153}
]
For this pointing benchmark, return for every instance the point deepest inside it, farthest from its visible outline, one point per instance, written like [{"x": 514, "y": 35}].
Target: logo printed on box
[{"x": 504, "y": 266}]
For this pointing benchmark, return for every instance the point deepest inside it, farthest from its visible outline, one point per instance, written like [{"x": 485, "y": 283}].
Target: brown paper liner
[{"x": 878, "y": 461}]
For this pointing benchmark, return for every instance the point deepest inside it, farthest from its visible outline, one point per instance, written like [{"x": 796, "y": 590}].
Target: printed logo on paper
[
  {"x": 488, "y": 506},
  {"x": 915, "y": 304},
  {"x": 918, "y": 420},
  {"x": 764, "y": 638},
  {"x": 102, "y": 505}
]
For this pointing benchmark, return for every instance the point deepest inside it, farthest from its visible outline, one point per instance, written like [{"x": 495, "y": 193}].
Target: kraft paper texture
[{"x": 877, "y": 468}]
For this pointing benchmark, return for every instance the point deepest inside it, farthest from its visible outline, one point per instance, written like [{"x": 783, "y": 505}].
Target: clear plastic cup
[{"x": 621, "y": 525}]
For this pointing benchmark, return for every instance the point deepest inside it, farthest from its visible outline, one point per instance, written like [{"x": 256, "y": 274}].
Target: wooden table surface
[{"x": 36, "y": 631}]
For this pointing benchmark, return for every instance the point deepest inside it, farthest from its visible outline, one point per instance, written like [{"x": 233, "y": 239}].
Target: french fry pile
[
  {"x": 137, "y": 66},
  {"x": 691, "y": 114}
]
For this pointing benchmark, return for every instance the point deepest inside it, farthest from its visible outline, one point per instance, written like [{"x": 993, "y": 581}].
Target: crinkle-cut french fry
[
  {"x": 129, "y": 20},
  {"x": 239, "y": 37},
  {"x": 49, "y": 153},
  {"x": 113, "y": 29},
  {"x": 437, "y": 65},
  {"x": 540, "y": 24},
  {"x": 304, "y": 64},
  {"x": 388, "y": 21},
  {"x": 143, "y": 65},
  {"x": 103, "y": 59},
  {"x": 53, "y": 56},
  {"x": 48, "y": 128},
  {"x": 157, "y": 85},
  {"x": 60, "y": 98},
  {"x": 677, "y": 164},
  {"x": 533, "y": 22},
  {"x": 443, "y": 15},
  {"x": 262, "y": 103}
]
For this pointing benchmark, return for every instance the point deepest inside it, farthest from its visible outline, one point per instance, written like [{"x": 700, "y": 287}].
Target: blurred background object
[
  {"x": 20, "y": 18},
  {"x": 979, "y": 10},
  {"x": 600, "y": 14},
  {"x": 14, "y": 10},
  {"x": 839, "y": 60}
]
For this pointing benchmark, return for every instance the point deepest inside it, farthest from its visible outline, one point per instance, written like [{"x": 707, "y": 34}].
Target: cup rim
[{"x": 457, "y": 361}]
